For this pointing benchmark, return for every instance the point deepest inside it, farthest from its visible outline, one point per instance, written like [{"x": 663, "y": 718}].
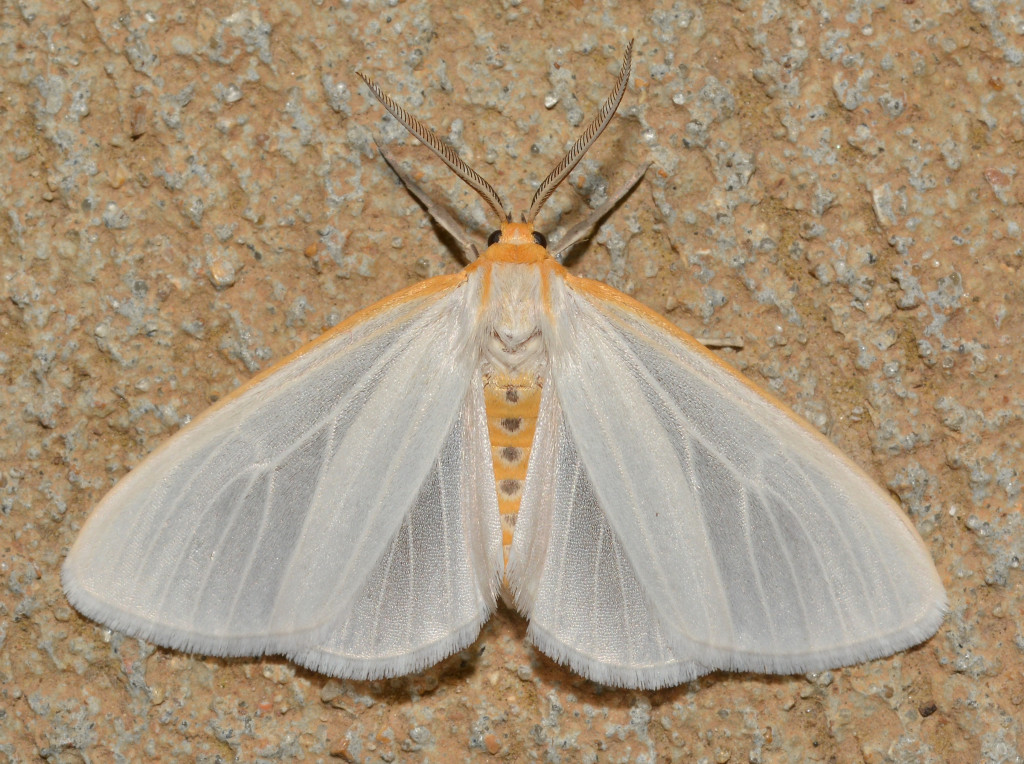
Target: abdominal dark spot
[
  {"x": 512, "y": 395},
  {"x": 511, "y": 454},
  {"x": 510, "y": 487},
  {"x": 511, "y": 424}
]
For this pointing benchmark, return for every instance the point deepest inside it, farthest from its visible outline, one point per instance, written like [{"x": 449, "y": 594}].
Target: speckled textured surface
[{"x": 191, "y": 192}]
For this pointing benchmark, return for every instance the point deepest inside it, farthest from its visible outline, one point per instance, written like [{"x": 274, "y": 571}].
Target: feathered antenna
[
  {"x": 585, "y": 141},
  {"x": 444, "y": 152}
]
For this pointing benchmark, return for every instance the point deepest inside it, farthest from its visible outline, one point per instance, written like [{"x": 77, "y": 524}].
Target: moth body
[{"x": 513, "y": 274}]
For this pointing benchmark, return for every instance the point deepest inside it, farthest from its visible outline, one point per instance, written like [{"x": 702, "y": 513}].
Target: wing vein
[
  {"x": 382, "y": 590},
  {"x": 842, "y": 537},
  {"x": 691, "y": 470},
  {"x": 165, "y": 589},
  {"x": 264, "y": 514},
  {"x": 155, "y": 539},
  {"x": 747, "y": 524},
  {"x": 449, "y": 575}
]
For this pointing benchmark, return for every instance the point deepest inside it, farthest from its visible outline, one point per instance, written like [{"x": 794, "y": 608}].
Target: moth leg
[
  {"x": 441, "y": 216},
  {"x": 720, "y": 342},
  {"x": 579, "y": 231}
]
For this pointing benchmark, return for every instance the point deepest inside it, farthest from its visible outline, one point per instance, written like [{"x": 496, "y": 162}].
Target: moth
[{"x": 510, "y": 430}]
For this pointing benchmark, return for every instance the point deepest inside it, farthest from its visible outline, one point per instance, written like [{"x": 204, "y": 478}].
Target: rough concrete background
[{"x": 191, "y": 191}]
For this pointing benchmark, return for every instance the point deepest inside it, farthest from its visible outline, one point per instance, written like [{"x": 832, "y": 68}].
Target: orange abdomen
[{"x": 512, "y": 407}]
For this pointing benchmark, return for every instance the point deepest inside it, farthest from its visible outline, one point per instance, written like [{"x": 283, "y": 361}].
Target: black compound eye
[
  {"x": 540, "y": 238},
  {"x": 494, "y": 238}
]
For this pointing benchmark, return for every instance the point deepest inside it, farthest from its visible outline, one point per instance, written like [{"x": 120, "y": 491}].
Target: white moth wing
[
  {"x": 436, "y": 584},
  {"x": 257, "y": 527},
  {"x": 571, "y": 577},
  {"x": 755, "y": 544}
]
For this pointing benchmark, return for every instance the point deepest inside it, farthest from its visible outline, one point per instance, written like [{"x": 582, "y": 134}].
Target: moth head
[{"x": 517, "y": 233}]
